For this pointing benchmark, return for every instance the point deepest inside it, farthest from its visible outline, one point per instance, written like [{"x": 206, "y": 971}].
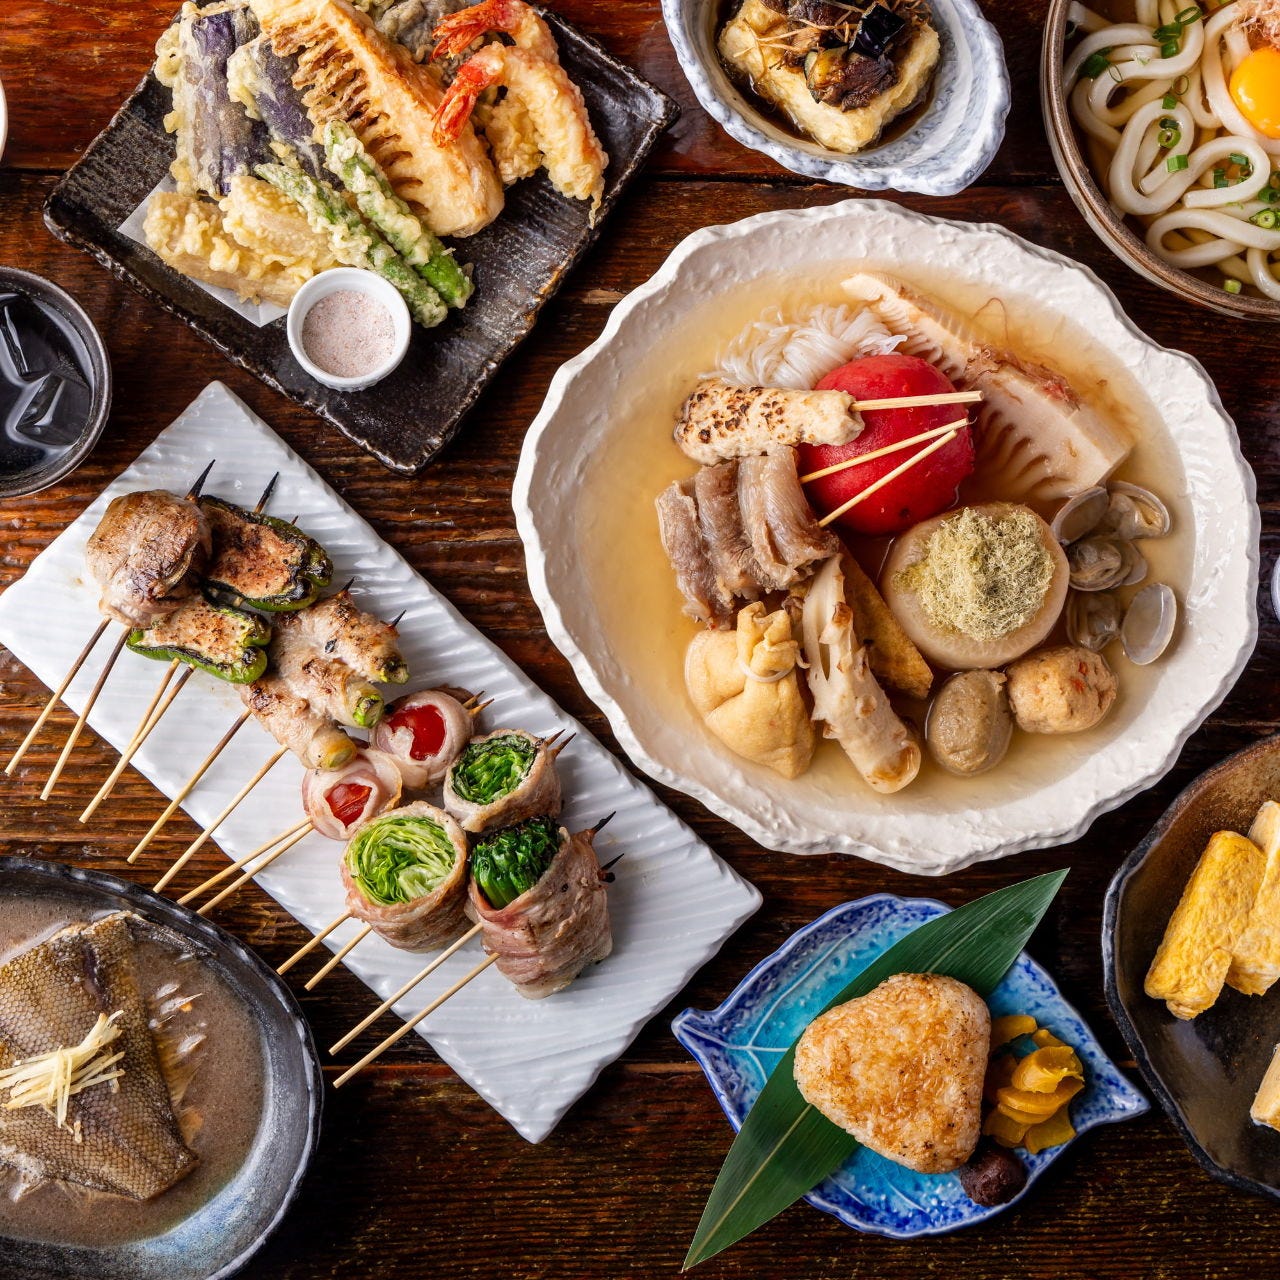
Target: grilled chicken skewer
[{"x": 145, "y": 555}]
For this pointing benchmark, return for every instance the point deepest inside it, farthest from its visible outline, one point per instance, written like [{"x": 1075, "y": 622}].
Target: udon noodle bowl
[{"x": 1181, "y": 108}]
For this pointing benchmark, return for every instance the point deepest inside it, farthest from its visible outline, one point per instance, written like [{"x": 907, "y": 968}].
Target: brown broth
[
  {"x": 621, "y": 514},
  {"x": 220, "y": 1108}
]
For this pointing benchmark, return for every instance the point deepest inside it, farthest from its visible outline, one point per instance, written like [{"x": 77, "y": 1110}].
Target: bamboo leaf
[{"x": 786, "y": 1147}]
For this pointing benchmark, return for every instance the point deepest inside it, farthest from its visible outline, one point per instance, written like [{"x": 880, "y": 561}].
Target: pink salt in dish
[{"x": 348, "y": 334}]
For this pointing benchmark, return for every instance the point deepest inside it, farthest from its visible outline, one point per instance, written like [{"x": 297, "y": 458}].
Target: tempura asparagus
[
  {"x": 353, "y": 242},
  {"x": 376, "y": 198}
]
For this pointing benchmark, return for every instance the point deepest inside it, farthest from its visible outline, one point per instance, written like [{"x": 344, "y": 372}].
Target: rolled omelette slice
[
  {"x": 1191, "y": 963},
  {"x": 1255, "y": 958}
]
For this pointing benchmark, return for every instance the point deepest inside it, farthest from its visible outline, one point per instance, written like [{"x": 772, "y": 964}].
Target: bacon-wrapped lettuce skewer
[
  {"x": 405, "y": 873},
  {"x": 539, "y": 896},
  {"x": 501, "y": 779}
]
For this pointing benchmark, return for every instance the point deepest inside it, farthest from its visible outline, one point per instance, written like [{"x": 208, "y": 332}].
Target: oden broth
[{"x": 634, "y": 589}]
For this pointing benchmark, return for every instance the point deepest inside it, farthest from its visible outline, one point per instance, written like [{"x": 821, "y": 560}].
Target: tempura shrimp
[{"x": 542, "y": 120}]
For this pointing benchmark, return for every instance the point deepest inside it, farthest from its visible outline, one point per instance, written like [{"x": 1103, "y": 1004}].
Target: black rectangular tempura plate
[{"x": 520, "y": 260}]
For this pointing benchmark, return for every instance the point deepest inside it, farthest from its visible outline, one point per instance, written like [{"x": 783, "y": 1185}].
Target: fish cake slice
[{"x": 1192, "y": 961}]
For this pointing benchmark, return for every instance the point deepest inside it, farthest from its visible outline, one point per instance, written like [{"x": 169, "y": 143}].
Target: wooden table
[{"x": 416, "y": 1176}]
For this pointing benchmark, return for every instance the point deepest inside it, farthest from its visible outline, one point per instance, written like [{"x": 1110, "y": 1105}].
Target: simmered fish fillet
[{"x": 50, "y": 998}]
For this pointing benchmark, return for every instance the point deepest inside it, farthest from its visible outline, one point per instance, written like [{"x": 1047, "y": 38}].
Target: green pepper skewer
[
  {"x": 352, "y": 241},
  {"x": 226, "y": 642},
  {"x": 510, "y": 862},
  {"x": 376, "y": 198}
]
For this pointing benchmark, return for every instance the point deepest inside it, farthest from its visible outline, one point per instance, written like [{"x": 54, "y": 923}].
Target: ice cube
[
  {"x": 32, "y": 343},
  {"x": 55, "y": 412}
]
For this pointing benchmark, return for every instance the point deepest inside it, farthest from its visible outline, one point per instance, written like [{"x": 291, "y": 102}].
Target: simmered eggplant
[
  {"x": 262, "y": 562},
  {"x": 224, "y": 641}
]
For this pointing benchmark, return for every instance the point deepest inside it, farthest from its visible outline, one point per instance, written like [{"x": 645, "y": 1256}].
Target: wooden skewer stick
[
  {"x": 55, "y": 697},
  {"x": 337, "y": 958},
  {"x": 219, "y": 819},
  {"x": 913, "y": 402},
  {"x": 413, "y": 1022},
  {"x": 418, "y": 977},
  {"x": 889, "y": 448},
  {"x": 298, "y": 829},
  {"x": 187, "y": 788},
  {"x": 310, "y": 945},
  {"x": 246, "y": 876},
  {"x": 885, "y": 479},
  {"x": 150, "y": 718},
  {"x": 78, "y": 727},
  {"x": 555, "y": 751}
]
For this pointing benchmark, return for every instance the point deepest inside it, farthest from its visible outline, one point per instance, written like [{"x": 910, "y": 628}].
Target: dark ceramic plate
[
  {"x": 1204, "y": 1072},
  {"x": 221, "y": 1236},
  {"x": 520, "y": 261}
]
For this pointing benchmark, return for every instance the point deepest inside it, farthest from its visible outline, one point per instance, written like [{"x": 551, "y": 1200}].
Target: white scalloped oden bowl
[
  {"x": 915, "y": 830},
  {"x": 942, "y": 152}
]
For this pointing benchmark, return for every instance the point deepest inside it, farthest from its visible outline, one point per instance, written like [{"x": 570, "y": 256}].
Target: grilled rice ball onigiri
[{"x": 901, "y": 1069}]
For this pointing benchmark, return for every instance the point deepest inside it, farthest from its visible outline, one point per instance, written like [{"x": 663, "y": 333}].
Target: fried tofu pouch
[
  {"x": 746, "y": 44},
  {"x": 902, "y": 1068},
  {"x": 1192, "y": 961},
  {"x": 1255, "y": 958},
  {"x": 744, "y": 685}
]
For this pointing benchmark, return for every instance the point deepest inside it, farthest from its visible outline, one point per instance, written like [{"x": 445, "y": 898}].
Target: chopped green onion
[
  {"x": 1114, "y": 72},
  {"x": 1220, "y": 178},
  {"x": 1170, "y": 32},
  {"x": 1188, "y": 16},
  {"x": 1269, "y": 194},
  {"x": 1176, "y": 163},
  {"x": 1267, "y": 219},
  {"x": 1236, "y": 158},
  {"x": 1169, "y": 138},
  {"x": 1181, "y": 85},
  {"x": 1170, "y": 48},
  {"x": 1169, "y": 102},
  {"x": 1232, "y": 286},
  {"x": 1095, "y": 64}
]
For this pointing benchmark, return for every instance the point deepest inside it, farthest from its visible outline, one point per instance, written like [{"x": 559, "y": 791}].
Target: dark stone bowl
[
  {"x": 224, "y": 1233},
  {"x": 1204, "y": 1072},
  {"x": 16, "y": 484}
]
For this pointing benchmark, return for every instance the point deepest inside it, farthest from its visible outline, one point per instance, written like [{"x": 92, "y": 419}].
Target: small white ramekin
[{"x": 359, "y": 281}]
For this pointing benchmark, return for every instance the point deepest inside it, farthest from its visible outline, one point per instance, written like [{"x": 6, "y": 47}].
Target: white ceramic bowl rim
[
  {"x": 940, "y": 154},
  {"x": 1113, "y": 780},
  {"x": 372, "y": 285}
]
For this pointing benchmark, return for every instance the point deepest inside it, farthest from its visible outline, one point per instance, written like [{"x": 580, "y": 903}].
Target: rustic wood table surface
[{"x": 416, "y": 1175}]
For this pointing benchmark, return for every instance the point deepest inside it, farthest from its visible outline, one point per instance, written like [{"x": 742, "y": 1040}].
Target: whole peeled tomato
[{"x": 925, "y": 489}]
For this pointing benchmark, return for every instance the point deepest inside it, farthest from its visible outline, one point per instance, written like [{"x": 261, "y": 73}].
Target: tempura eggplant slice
[
  {"x": 259, "y": 78},
  {"x": 261, "y": 562},
  {"x": 226, "y": 642}
]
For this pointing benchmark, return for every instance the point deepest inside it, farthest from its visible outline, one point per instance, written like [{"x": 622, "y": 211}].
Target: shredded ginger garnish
[{"x": 51, "y": 1080}]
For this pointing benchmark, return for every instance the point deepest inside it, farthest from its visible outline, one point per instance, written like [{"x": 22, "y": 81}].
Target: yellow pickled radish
[
  {"x": 1040, "y": 1105},
  {"x": 1007, "y": 1132},
  {"x": 999, "y": 1074},
  {"x": 1010, "y": 1027},
  {"x": 1052, "y": 1132},
  {"x": 1045, "y": 1039},
  {"x": 1042, "y": 1070}
]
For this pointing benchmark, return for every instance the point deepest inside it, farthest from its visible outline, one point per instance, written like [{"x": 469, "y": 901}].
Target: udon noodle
[{"x": 1170, "y": 144}]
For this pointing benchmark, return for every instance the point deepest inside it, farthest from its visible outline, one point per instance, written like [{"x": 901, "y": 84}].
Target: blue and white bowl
[
  {"x": 944, "y": 150},
  {"x": 738, "y": 1045}
]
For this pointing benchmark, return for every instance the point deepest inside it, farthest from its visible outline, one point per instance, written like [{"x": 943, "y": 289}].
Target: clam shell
[
  {"x": 1080, "y": 514},
  {"x": 1148, "y": 624},
  {"x": 1093, "y": 619},
  {"x": 1099, "y": 563},
  {"x": 1133, "y": 512}
]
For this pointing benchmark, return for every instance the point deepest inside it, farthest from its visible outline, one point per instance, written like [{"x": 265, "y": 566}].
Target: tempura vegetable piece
[
  {"x": 352, "y": 241},
  {"x": 215, "y": 139},
  {"x": 1191, "y": 964},
  {"x": 745, "y": 686},
  {"x": 347, "y": 70},
  {"x": 269, "y": 223},
  {"x": 262, "y": 562},
  {"x": 188, "y": 234},
  {"x": 226, "y": 642},
  {"x": 1255, "y": 956},
  {"x": 847, "y": 698},
  {"x": 377, "y": 200},
  {"x": 405, "y": 873},
  {"x": 262, "y": 83}
]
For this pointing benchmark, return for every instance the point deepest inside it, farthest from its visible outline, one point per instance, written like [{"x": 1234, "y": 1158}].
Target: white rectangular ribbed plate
[{"x": 673, "y": 901}]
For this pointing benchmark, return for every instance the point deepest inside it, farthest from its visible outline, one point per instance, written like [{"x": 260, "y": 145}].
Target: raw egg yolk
[{"x": 1255, "y": 89}]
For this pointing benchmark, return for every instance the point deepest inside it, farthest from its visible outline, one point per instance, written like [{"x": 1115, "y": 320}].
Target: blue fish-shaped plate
[{"x": 738, "y": 1045}]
